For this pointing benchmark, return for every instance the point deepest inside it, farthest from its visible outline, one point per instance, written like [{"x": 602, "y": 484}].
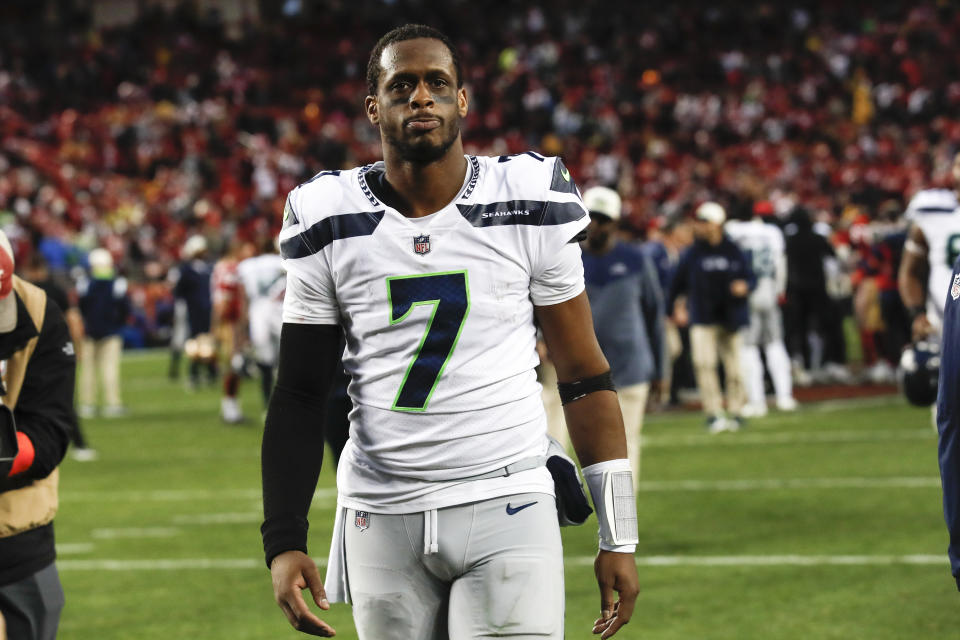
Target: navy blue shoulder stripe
[
  {"x": 529, "y": 212},
  {"x": 935, "y": 209},
  {"x": 322, "y": 233}
]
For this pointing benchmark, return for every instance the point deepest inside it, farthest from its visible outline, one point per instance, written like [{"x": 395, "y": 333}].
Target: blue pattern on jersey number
[{"x": 449, "y": 295}]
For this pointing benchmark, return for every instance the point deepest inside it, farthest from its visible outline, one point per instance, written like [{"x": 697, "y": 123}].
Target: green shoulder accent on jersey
[
  {"x": 289, "y": 217},
  {"x": 561, "y": 180}
]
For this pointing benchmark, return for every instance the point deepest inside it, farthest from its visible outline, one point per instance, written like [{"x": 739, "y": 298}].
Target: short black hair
[{"x": 407, "y": 32}]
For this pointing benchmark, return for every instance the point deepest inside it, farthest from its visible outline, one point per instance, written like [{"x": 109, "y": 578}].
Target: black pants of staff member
[{"x": 31, "y": 607}]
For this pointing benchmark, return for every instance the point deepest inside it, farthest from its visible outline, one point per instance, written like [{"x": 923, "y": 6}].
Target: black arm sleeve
[
  {"x": 44, "y": 409},
  {"x": 292, "y": 449}
]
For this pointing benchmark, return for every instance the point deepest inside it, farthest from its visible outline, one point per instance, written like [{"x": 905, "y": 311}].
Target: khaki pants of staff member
[
  {"x": 101, "y": 356},
  {"x": 708, "y": 345},
  {"x": 674, "y": 345},
  {"x": 633, "y": 405}
]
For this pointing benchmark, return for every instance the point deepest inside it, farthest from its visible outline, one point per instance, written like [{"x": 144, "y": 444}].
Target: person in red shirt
[{"x": 227, "y": 326}]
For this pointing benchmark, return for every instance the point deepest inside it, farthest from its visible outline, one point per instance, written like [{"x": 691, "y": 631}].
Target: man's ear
[
  {"x": 462, "y": 105},
  {"x": 372, "y": 108}
]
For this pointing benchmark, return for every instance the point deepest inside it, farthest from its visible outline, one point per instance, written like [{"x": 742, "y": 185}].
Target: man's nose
[{"x": 421, "y": 96}]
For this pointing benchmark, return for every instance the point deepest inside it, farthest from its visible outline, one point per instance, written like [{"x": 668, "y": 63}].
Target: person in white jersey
[
  {"x": 763, "y": 245},
  {"x": 264, "y": 282},
  {"x": 434, "y": 264},
  {"x": 931, "y": 248}
]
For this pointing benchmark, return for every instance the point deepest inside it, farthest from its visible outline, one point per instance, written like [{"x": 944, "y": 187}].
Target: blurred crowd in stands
[{"x": 826, "y": 115}]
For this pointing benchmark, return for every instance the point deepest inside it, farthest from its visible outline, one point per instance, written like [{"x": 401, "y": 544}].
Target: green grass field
[{"x": 821, "y": 524}]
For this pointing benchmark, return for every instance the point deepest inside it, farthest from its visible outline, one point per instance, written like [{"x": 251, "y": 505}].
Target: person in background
[
  {"x": 264, "y": 283},
  {"x": 763, "y": 244},
  {"x": 192, "y": 278},
  {"x": 627, "y": 307},
  {"x": 714, "y": 278},
  {"x": 37, "y": 404},
  {"x": 808, "y": 307},
  {"x": 931, "y": 248},
  {"x": 37, "y": 273},
  {"x": 228, "y": 328},
  {"x": 664, "y": 248},
  {"x": 104, "y": 305}
]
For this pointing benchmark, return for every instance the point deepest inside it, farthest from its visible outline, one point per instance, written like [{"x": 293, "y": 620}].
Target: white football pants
[{"x": 479, "y": 570}]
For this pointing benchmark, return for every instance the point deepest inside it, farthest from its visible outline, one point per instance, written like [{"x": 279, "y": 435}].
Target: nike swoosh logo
[{"x": 513, "y": 510}]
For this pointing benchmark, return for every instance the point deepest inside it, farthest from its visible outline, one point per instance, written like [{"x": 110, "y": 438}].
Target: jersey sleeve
[
  {"x": 558, "y": 268},
  {"x": 310, "y": 295}
]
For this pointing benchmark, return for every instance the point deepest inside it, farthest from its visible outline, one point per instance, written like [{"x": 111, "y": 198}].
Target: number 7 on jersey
[{"x": 449, "y": 294}]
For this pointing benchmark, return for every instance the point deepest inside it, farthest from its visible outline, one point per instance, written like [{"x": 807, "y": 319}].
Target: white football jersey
[
  {"x": 263, "y": 276},
  {"x": 764, "y": 246},
  {"x": 934, "y": 211},
  {"x": 438, "y": 317}
]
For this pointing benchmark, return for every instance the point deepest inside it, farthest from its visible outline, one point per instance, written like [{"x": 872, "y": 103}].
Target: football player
[
  {"x": 763, "y": 245},
  {"x": 227, "y": 327},
  {"x": 264, "y": 282},
  {"x": 932, "y": 246},
  {"x": 435, "y": 264}
]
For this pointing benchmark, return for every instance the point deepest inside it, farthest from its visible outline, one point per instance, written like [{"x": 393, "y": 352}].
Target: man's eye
[
  {"x": 439, "y": 82},
  {"x": 400, "y": 86}
]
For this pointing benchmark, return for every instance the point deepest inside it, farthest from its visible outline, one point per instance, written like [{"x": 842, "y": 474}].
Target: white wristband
[{"x": 611, "y": 487}]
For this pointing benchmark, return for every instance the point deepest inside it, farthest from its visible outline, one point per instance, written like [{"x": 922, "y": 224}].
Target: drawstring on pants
[{"x": 431, "y": 535}]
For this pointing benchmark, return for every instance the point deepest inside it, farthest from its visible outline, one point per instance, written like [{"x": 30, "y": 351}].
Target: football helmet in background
[{"x": 920, "y": 371}]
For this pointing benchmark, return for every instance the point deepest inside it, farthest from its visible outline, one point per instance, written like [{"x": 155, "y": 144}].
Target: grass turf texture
[{"x": 159, "y": 538}]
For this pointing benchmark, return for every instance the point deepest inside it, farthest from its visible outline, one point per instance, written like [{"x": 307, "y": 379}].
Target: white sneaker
[
  {"x": 230, "y": 411},
  {"x": 838, "y": 373},
  {"x": 115, "y": 412},
  {"x": 787, "y": 404},
  {"x": 802, "y": 378},
  {"x": 87, "y": 411},
  {"x": 717, "y": 424},
  {"x": 754, "y": 411},
  {"x": 880, "y": 373}
]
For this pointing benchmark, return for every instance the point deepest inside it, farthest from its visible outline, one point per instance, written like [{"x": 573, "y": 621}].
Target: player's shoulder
[
  {"x": 528, "y": 172},
  {"x": 932, "y": 201},
  {"x": 326, "y": 194}
]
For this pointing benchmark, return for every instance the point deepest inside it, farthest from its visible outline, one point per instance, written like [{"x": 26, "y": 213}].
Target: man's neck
[{"x": 422, "y": 189}]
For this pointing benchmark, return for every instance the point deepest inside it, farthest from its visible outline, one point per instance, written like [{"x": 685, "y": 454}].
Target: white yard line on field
[
  {"x": 134, "y": 532},
  {"x": 246, "y": 517},
  {"x": 70, "y": 548},
  {"x": 763, "y": 484},
  {"x": 207, "y": 564},
  {"x": 794, "y": 437},
  {"x": 176, "y": 495}
]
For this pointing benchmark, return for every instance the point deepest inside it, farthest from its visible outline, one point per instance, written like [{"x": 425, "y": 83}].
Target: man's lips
[{"x": 423, "y": 124}]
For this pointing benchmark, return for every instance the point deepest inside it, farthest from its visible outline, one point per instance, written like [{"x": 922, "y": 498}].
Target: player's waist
[{"x": 362, "y": 487}]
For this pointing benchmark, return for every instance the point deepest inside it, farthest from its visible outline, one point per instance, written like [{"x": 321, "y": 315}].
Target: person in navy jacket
[
  {"x": 714, "y": 278},
  {"x": 948, "y": 418}
]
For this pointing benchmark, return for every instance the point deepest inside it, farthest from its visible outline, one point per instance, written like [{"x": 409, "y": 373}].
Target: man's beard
[{"x": 419, "y": 151}]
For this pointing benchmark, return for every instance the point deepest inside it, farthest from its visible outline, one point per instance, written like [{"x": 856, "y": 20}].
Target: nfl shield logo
[
  {"x": 362, "y": 521},
  {"x": 421, "y": 245},
  {"x": 955, "y": 289}
]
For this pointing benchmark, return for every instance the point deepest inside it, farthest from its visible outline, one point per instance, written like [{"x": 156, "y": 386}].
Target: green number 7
[{"x": 449, "y": 294}]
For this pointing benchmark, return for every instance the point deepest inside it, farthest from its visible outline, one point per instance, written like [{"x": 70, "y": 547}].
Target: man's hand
[
  {"x": 739, "y": 288},
  {"x": 921, "y": 327},
  {"x": 293, "y": 571},
  {"x": 615, "y": 572}
]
